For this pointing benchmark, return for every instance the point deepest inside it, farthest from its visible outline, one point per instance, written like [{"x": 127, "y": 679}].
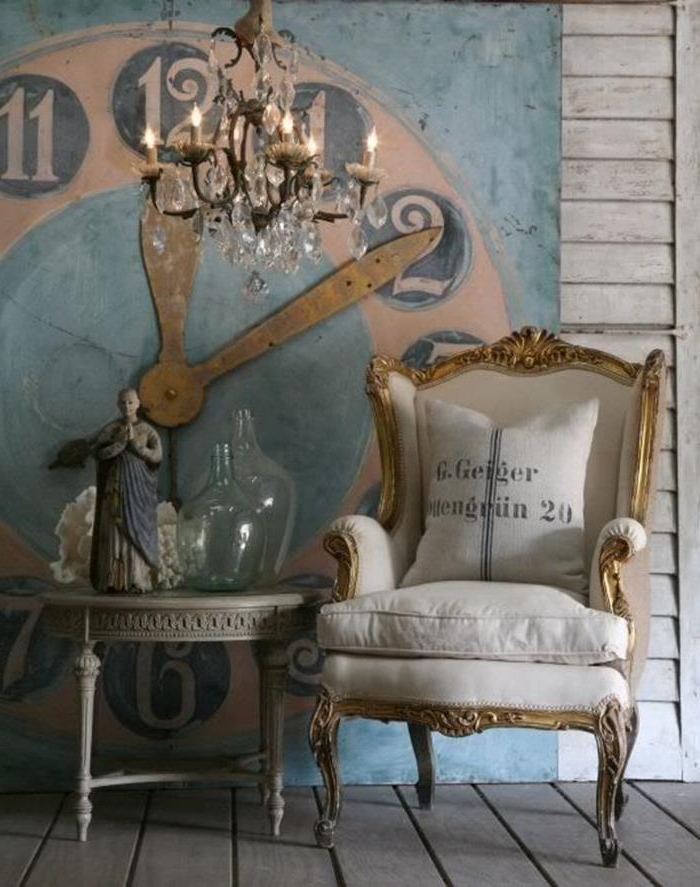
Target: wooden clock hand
[
  {"x": 172, "y": 392},
  {"x": 170, "y": 254}
]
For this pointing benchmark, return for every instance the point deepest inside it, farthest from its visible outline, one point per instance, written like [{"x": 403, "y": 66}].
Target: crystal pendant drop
[
  {"x": 178, "y": 193},
  {"x": 316, "y": 187},
  {"x": 287, "y": 93},
  {"x": 255, "y": 289},
  {"x": 275, "y": 175},
  {"x": 293, "y": 64},
  {"x": 377, "y": 212},
  {"x": 352, "y": 197},
  {"x": 259, "y": 190},
  {"x": 307, "y": 237},
  {"x": 144, "y": 191},
  {"x": 213, "y": 61},
  {"x": 159, "y": 239},
  {"x": 271, "y": 117},
  {"x": 198, "y": 225},
  {"x": 357, "y": 242},
  {"x": 264, "y": 49},
  {"x": 262, "y": 83},
  {"x": 240, "y": 214}
]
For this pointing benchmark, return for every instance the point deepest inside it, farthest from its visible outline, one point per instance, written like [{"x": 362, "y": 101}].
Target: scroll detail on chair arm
[
  {"x": 618, "y": 542},
  {"x": 368, "y": 558}
]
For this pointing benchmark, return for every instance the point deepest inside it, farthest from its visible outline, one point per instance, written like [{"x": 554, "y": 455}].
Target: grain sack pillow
[{"x": 505, "y": 504}]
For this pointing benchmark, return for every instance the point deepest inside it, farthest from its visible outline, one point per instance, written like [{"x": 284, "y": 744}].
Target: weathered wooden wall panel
[{"x": 618, "y": 293}]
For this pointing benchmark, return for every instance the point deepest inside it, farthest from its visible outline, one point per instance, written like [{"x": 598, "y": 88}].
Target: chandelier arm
[
  {"x": 243, "y": 185},
  {"x": 231, "y": 34},
  {"x": 278, "y": 61},
  {"x": 322, "y": 216}
]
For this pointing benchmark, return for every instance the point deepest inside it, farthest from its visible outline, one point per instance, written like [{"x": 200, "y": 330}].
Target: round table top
[
  {"x": 284, "y": 596},
  {"x": 272, "y": 614}
]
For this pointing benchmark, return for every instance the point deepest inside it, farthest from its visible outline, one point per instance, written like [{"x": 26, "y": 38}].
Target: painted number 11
[{"x": 15, "y": 110}]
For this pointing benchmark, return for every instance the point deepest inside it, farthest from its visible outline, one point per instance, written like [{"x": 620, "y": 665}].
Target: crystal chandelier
[{"x": 256, "y": 183}]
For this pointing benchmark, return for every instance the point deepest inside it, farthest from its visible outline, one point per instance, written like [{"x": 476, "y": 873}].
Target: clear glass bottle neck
[
  {"x": 244, "y": 431},
  {"x": 221, "y": 473}
]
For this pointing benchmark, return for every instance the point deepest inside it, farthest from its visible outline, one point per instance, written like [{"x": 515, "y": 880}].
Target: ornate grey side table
[{"x": 269, "y": 617}]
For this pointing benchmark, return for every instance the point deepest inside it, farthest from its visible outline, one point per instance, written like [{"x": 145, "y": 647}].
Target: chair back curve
[{"x": 513, "y": 379}]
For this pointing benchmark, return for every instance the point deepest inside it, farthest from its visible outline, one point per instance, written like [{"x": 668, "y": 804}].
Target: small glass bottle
[
  {"x": 221, "y": 537},
  {"x": 270, "y": 488}
]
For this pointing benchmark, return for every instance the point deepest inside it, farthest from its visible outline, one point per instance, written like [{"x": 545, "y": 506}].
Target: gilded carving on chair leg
[
  {"x": 611, "y": 736},
  {"x": 632, "y": 728},
  {"x": 323, "y": 735}
]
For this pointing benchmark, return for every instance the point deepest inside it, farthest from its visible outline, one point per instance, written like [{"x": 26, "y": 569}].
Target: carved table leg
[
  {"x": 422, "y": 743},
  {"x": 611, "y": 736},
  {"x": 87, "y": 667},
  {"x": 263, "y": 748},
  {"x": 323, "y": 738},
  {"x": 273, "y": 676}
]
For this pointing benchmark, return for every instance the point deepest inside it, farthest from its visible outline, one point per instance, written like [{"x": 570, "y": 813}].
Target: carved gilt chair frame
[{"x": 528, "y": 352}]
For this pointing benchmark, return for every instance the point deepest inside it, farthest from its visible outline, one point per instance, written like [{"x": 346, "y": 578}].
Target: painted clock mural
[{"x": 77, "y": 320}]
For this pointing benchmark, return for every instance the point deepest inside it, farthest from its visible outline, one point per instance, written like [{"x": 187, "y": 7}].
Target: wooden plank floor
[{"x": 498, "y": 835}]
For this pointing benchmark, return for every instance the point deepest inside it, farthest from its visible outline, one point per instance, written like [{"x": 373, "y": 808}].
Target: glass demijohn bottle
[
  {"x": 270, "y": 488},
  {"x": 221, "y": 537}
]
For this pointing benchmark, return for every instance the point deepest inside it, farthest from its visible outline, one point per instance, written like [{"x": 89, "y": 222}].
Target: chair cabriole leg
[
  {"x": 422, "y": 743},
  {"x": 323, "y": 736},
  {"x": 632, "y": 728},
  {"x": 611, "y": 736}
]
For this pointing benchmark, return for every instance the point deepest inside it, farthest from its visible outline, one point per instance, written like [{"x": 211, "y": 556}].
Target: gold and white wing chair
[{"x": 386, "y": 643}]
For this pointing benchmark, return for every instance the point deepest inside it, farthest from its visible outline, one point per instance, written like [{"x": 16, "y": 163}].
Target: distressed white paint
[
  {"x": 664, "y": 595},
  {"x": 617, "y": 139},
  {"x": 688, "y": 317},
  {"x": 627, "y": 56},
  {"x": 618, "y": 267},
  {"x": 609, "y": 221},
  {"x": 606, "y": 303},
  {"x": 653, "y": 20},
  {"x": 616, "y": 263},
  {"x": 618, "y": 97}
]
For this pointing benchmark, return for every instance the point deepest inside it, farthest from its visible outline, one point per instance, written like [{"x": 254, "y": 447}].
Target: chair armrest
[
  {"x": 619, "y": 581},
  {"x": 368, "y": 557}
]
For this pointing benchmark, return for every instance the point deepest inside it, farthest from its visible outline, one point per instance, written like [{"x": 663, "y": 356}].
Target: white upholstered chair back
[{"x": 521, "y": 376}]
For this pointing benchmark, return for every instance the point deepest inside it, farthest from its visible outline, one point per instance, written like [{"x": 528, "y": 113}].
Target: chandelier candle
[
  {"x": 370, "y": 156},
  {"x": 196, "y": 127},
  {"x": 149, "y": 139}
]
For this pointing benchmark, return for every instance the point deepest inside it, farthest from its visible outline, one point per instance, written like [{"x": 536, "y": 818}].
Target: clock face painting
[{"x": 77, "y": 321}]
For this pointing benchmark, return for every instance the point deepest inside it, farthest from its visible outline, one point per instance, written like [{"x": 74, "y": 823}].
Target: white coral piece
[
  {"x": 169, "y": 570},
  {"x": 74, "y": 530}
]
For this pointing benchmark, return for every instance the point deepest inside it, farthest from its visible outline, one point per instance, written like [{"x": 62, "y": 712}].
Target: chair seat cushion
[
  {"x": 454, "y": 682},
  {"x": 475, "y": 620}
]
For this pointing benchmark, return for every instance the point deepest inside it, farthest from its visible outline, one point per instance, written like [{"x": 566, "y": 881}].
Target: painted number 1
[{"x": 18, "y": 117}]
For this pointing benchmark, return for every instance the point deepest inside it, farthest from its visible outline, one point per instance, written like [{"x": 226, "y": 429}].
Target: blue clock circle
[{"x": 77, "y": 323}]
